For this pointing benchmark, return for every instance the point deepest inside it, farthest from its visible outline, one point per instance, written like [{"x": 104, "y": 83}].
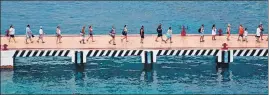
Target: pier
[{"x": 189, "y": 45}]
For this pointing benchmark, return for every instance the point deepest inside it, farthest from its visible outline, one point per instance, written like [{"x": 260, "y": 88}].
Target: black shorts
[
  {"x": 160, "y": 35},
  {"x": 142, "y": 36},
  {"x": 91, "y": 34},
  {"x": 257, "y": 36},
  {"x": 12, "y": 36}
]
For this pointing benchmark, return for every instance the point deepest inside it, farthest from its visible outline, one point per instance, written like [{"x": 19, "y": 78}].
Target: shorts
[
  {"x": 168, "y": 36},
  {"x": 58, "y": 35},
  {"x": 28, "y": 37},
  {"x": 124, "y": 33},
  {"x": 240, "y": 35},
  {"x": 257, "y": 36},
  {"x": 113, "y": 36},
  {"x": 40, "y": 36},
  {"x": 201, "y": 34},
  {"x": 12, "y": 36},
  {"x": 142, "y": 36},
  {"x": 90, "y": 34},
  {"x": 160, "y": 35}
]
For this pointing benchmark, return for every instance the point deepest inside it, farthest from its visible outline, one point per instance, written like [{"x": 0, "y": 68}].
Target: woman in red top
[{"x": 241, "y": 32}]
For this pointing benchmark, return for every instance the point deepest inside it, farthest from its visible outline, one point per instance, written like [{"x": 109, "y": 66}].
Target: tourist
[
  {"x": 160, "y": 34},
  {"x": 11, "y": 33},
  {"x": 201, "y": 32},
  {"x": 58, "y": 35},
  {"x": 142, "y": 34},
  {"x": 228, "y": 30},
  {"x": 41, "y": 35},
  {"x": 28, "y": 34},
  {"x": 169, "y": 35},
  {"x": 261, "y": 30},
  {"x": 241, "y": 32},
  {"x": 245, "y": 35},
  {"x": 82, "y": 33},
  {"x": 214, "y": 31},
  {"x": 124, "y": 33},
  {"x": 258, "y": 33},
  {"x": 90, "y": 33},
  {"x": 112, "y": 33}
]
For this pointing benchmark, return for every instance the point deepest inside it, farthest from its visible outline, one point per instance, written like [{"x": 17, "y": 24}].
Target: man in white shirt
[
  {"x": 28, "y": 34},
  {"x": 12, "y": 33},
  {"x": 258, "y": 33},
  {"x": 41, "y": 34}
]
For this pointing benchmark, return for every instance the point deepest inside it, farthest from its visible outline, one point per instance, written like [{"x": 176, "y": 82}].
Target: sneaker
[
  {"x": 43, "y": 42},
  {"x": 114, "y": 43}
]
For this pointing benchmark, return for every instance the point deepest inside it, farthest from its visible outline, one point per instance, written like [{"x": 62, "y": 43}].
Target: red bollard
[
  {"x": 5, "y": 47},
  {"x": 224, "y": 46}
]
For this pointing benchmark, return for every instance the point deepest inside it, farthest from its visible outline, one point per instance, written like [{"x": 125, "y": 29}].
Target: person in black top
[
  {"x": 160, "y": 33},
  {"x": 142, "y": 34}
]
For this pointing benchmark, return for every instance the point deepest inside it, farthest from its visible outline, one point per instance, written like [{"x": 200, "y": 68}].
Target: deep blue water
[
  {"x": 71, "y": 15},
  {"x": 125, "y": 75}
]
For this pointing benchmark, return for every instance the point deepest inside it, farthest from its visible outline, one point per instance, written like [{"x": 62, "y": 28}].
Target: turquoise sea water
[
  {"x": 71, "y": 15},
  {"x": 170, "y": 75},
  {"x": 125, "y": 75}
]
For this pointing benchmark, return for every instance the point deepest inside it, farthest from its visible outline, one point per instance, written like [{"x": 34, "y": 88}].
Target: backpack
[{"x": 199, "y": 30}]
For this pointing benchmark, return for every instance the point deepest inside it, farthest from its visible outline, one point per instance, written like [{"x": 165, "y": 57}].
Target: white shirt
[
  {"x": 246, "y": 33},
  {"x": 41, "y": 31},
  {"x": 11, "y": 31},
  {"x": 202, "y": 30},
  {"x": 169, "y": 31},
  {"x": 58, "y": 31},
  {"x": 214, "y": 31},
  {"x": 28, "y": 31},
  {"x": 258, "y": 32}
]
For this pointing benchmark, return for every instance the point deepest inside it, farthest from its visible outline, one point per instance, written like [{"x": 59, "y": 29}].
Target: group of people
[
  {"x": 242, "y": 33},
  {"x": 29, "y": 34}
]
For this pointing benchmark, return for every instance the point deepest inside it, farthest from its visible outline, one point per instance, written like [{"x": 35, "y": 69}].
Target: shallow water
[{"x": 125, "y": 75}]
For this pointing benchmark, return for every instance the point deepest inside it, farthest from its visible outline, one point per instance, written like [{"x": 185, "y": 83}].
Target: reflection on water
[{"x": 171, "y": 75}]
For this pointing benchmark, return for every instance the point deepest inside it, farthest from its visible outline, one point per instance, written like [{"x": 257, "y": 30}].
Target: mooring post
[{"x": 225, "y": 55}]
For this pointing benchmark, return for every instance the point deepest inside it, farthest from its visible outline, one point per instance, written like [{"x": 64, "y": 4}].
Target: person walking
[
  {"x": 214, "y": 32},
  {"x": 58, "y": 35},
  {"x": 160, "y": 34},
  {"x": 124, "y": 33},
  {"x": 142, "y": 34},
  {"x": 11, "y": 33},
  {"x": 112, "y": 33},
  {"x": 258, "y": 34},
  {"x": 261, "y": 26},
  {"x": 169, "y": 35},
  {"x": 90, "y": 33},
  {"x": 241, "y": 32},
  {"x": 41, "y": 35},
  {"x": 82, "y": 33},
  {"x": 201, "y": 32},
  {"x": 28, "y": 34},
  {"x": 228, "y": 30}
]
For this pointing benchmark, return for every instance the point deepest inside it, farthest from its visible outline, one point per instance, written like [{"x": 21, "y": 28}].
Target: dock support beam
[
  {"x": 78, "y": 57},
  {"x": 225, "y": 56},
  {"x": 148, "y": 58}
]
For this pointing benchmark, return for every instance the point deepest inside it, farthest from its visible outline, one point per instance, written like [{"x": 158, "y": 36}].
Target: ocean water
[
  {"x": 72, "y": 15},
  {"x": 125, "y": 75}
]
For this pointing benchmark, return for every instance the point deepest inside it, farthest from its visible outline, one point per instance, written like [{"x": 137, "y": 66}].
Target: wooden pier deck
[{"x": 101, "y": 42}]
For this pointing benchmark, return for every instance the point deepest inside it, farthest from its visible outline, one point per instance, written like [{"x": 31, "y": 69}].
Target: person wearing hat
[
  {"x": 41, "y": 35},
  {"x": 228, "y": 30}
]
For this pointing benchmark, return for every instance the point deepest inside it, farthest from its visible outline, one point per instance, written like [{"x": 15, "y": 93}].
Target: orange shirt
[{"x": 241, "y": 30}]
